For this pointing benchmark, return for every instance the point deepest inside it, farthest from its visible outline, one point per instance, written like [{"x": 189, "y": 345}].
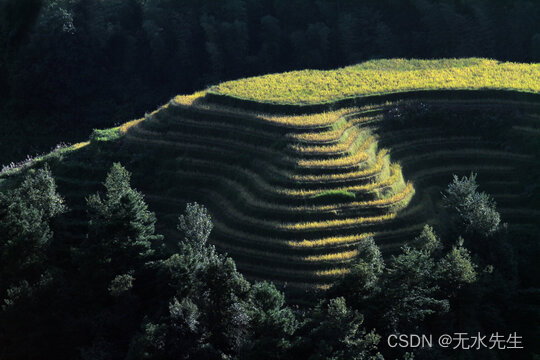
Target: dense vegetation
[
  {"x": 68, "y": 66},
  {"x": 122, "y": 294}
]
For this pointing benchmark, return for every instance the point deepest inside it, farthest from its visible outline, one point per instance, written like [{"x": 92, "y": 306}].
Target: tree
[
  {"x": 476, "y": 211},
  {"x": 25, "y": 218},
  {"x": 456, "y": 268},
  {"x": 208, "y": 312},
  {"x": 27, "y": 276},
  {"x": 272, "y": 324},
  {"x": 222, "y": 294},
  {"x": 363, "y": 280},
  {"x": 121, "y": 228},
  {"x": 428, "y": 240},
  {"x": 411, "y": 290},
  {"x": 196, "y": 225},
  {"x": 335, "y": 331}
]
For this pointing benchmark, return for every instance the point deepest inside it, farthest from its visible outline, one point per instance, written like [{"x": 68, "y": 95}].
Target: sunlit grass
[
  {"x": 125, "y": 127},
  {"x": 381, "y": 77},
  {"x": 330, "y": 241}
]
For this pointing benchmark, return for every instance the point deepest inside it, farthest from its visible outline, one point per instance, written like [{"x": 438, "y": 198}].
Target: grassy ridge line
[
  {"x": 171, "y": 122},
  {"x": 382, "y": 78},
  {"x": 224, "y": 209},
  {"x": 97, "y": 136},
  {"x": 285, "y": 260},
  {"x": 299, "y": 109},
  {"x": 356, "y": 156},
  {"x": 202, "y": 149},
  {"x": 302, "y": 122},
  {"x": 320, "y": 121},
  {"x": 260, "y": 182},
  {"x": 260, "y": 207},
  {"x": 344, "y": 143},
  {"x": 312, "y": 245}
]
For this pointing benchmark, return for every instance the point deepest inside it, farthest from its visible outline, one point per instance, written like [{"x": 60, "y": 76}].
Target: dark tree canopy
[{"x": 68, "y": 66}]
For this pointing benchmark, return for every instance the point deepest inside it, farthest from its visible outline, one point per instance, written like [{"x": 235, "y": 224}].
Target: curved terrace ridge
[{"x": 298, "y": 168}]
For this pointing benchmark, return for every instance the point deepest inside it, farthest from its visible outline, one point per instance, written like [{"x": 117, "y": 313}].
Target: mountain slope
[{"x": 296, "y": 178}]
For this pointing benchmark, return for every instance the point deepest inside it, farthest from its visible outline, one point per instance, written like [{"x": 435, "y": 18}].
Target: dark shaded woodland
[{"x": 68, "y": 66}]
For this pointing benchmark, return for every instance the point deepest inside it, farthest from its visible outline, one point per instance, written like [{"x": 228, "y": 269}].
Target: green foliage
[
  {"x": 456, "y": 268},
  {"x": 121, "y": 228},
  {"x": 25, "y": 216},
  {"x": 332, "y": 194},
  {"x": 476, "y": 211},
  {"x": 209, "y": 310},
  {"x": 196, "y": 225},
  {"x": 105, "y": 134},
  {"x": 272, "y": 324},
  {"x": 411, "y": 289},
  {"x": 121, "y": 284},
  {"x": 428, "y": 240},
  {"x": 418, "y": 284},
  {"x": 335, "y": 331},
  {"x": 363, "y": 280}
]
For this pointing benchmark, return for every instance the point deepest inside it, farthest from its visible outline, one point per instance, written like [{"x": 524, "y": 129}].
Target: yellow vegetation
[
  {"x": 80, "y": 145},
  {"x": 125, "y": 127},
  {"x": 333, "y": 272},
  {"x": 382, "y": 156},
  {"x": 331, "y": 241},
  {"x": 384, "y": 76},
  {"x": 336, "y": 223},
  {"x": 346, "y": 255},
  {"x": 189, "y": 99}
]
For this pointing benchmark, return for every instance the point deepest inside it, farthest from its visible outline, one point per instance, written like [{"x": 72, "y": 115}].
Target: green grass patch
[
  {"x": 106, "y": 134},
  {"x": 342, "y": 194}
]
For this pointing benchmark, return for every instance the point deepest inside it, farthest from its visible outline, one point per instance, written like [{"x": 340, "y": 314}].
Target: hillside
[{"x": 297, "y": 168}]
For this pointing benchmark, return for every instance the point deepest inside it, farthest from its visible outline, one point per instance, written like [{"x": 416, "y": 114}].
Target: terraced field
[{"x": 294, "y": 188}]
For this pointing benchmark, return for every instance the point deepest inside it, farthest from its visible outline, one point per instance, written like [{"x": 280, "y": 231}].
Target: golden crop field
[{"x": 382, "y": 77}]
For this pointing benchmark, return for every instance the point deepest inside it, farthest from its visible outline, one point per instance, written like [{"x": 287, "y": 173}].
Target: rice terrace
[
  {"x": 298, "y": 168},
  {"x": 305, "y": 174}
]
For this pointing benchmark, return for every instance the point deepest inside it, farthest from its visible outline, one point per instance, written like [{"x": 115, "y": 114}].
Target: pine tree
[
  {"x": 363, "y": 281},
  {"x": 456, "y": 268},
  {"x": 272, "y": 324},
  {"x": 335, "y": 331},
  {"x": 27, "y": 275},
  {"x": 121, "y": 228},
  {"x": 412, "y": 290},
  {"x": 476, "y": 211},
  {"x": 25, "y": 233}
]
